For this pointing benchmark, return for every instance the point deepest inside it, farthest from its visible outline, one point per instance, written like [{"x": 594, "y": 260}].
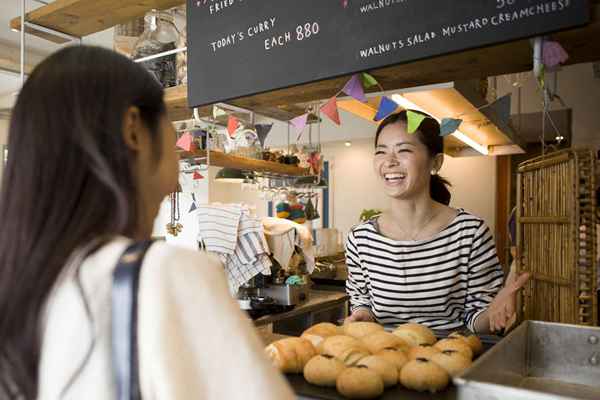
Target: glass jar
[
  {"x": 160, "y": 35},
  {"x": 179, "y": 14}
]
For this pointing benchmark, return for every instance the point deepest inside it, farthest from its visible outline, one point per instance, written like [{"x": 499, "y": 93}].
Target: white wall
[
  {"x": 579, "y": 90},
  {"x": 3, "y": 140}
]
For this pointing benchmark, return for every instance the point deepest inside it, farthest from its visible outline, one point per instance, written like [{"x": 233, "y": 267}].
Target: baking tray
[
  {"x": 305, "y": 390},
  {"x": 538, "y": 360}
]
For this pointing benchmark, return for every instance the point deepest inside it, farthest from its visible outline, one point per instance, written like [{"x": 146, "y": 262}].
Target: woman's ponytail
[{"x": 438, "y": 189}]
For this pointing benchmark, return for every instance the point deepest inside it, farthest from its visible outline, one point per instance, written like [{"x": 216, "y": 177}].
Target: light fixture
[
  {"x": 348, "y": 144},
  {"x": 230, "y": 175},
  {"x": 407, "y": 104}
]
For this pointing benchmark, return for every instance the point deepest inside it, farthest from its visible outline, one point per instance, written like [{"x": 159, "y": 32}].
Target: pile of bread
[{"x": 361, "y": 359}]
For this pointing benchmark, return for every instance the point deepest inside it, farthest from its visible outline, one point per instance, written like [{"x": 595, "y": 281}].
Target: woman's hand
[
  {"x": 360, "y": 314},
  {"x": 503, "y": 307}
]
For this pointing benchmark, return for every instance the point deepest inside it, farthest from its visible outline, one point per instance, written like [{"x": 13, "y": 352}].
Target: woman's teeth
[{"x": 394, "y": 177}]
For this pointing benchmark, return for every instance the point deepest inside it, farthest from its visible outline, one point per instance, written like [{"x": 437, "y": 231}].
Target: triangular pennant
[
  {"x": 368, "y": 80},
  {"x": 197, "y": 175},
  {"x": 199, "y": 133},
  {"x": 499, "y": 110},
  {"x": 185, "y": 142},
  {"x": 262, "y": 131},
  {"x": 218, "y": 112},
  {"x": 232, "y": 125},
  {"x": 449, "y": 126},
  {"x": 299, "y": 123},
  {"x": 330, "y": 109},
  {"x": 193, "y": 207},
  {"x": 345, "y": 3},
  {"x": 193, "y": 197},
  {"x": 554, "y": 54},
  {"x": 355, "y": 89},
  {"x": 386, "y": 107},
  {"x": 414, "y": 120}
]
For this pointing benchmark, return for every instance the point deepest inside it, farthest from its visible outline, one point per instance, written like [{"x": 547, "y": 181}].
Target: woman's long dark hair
[
  {"x": 428, "y": 134},
  {"x": 68, "y": 181}
]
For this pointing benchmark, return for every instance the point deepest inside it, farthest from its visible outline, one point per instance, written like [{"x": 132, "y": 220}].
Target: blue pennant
[
  {"x": 193, "y": 207},
  {"x": 449, "y": 126},
  {"x": 386, "y": 107}
]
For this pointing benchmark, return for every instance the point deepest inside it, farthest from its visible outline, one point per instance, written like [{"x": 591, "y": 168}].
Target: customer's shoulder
[{"x": 168, "y": 258}]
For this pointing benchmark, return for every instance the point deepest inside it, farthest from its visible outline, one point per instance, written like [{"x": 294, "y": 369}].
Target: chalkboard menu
[{"x": 243, "y": 47}]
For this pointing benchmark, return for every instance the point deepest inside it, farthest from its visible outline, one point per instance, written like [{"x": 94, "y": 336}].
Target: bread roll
[
  {"x": 378, "y": 341},
  {"x": 359, "y": 383},
  {"x": 394, "y": 356},
  {"x": 361, "y": 329},
  {"x": 334, "y": 345},
  {"x": 472, "y": 340},
  {"x": 323, "y": 370},
  {"x": 415, "y": 334},
  {"x": 317, "y": 333},
  {"x": 385, "y": 369},
  {"x": 290, "y": 355},
  {"x": 422, "y": 351},
  {"x": 424, "y": 375},
  {"x": 456, "y": 344},
  {"x": 452, "y": 361},
  {"x": 352, "y": 355}
]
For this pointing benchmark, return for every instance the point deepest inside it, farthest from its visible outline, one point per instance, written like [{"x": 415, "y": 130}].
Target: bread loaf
[
  {"x": 361, "y": 329},
  {"x": 334, "y": 345},
  {"x": 472, "y": 340},
  {"x": 319, "y": 332},
  {"x": 394, "y": 356},
  {"x": 359, "y": 383},
  {"x": 422, "y": 351},
  {"x": 386, "y": 370},
  {"x": 424, "y": 375},
  {"x": 453, "y": 362},
  {"x": 415, "y": 334},
  {"x": 323, "y": 370},
  {"x": 290, "y": 355},
  {"x": 456, "y": 344},
  {"x": 376, "y": 342}
]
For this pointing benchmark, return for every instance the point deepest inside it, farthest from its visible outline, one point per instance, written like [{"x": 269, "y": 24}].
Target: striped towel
[{"x": 219, "y": 227}]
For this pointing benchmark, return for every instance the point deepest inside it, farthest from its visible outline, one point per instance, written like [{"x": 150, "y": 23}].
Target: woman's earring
[{"x": 433, "y": 172}]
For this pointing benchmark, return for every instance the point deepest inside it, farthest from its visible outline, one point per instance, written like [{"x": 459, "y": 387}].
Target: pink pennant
[
  {"x": 197, "y": 176},
  {"x": 185, "y": 142},
  {"x": 331, "y": 110},
  {"x": 355, "y": 89},
  {"x": 345, "y": 3},
  {"x": 232, "y": 125},
  {"x": 299, "y": 123},
  {"x": 554, "y": 54}
]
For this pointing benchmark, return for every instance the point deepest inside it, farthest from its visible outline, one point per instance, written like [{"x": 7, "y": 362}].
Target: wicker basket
[{"x": 556, "y": 237}]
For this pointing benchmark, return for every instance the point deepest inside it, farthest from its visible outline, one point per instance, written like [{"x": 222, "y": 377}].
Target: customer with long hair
[{"x": 91, "y": 155}]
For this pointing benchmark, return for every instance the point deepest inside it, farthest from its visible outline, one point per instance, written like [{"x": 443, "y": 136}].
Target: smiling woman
[{"x": 423, "y": 261}]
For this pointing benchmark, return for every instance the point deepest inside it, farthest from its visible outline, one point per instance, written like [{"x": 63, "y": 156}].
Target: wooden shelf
[
  {"x": 220, "y": 159},
  {"x": 84, "y": 17}
]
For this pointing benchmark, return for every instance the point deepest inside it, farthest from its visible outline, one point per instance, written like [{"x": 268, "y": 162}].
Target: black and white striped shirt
[{"x": 443, "y": 282}]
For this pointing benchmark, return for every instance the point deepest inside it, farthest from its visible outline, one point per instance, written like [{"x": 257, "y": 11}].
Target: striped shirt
[{"x": 443, "y": 282}]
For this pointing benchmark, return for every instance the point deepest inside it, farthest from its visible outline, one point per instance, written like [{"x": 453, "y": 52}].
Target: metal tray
[{"x": 538, "y": 360}]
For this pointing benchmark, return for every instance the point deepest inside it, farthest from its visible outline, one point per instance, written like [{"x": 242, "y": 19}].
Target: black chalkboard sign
[{"x": 244, "y": 47}]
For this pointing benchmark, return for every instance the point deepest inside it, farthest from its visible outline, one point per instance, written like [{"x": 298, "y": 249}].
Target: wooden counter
[{"x": 319, "y": 301}]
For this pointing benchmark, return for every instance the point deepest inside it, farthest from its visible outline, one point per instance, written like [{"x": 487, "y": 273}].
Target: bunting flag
[
  {"x": 386, "y": 107},
  {"x": 345, "y": 3},
  {"x": 499, "y": 110},
  {"x": 299, "y": 123},
  {"x": 218, "y": 112},
  {"x": 355, "y": 89},
  {"x": 186, "y": 142},
  {"x": 193, "y": 207},
  {"x": 262, "y": 130},
  {"x": 197, "y": 175},
  {"x": 199, "y": 133},
  {"x": 330, "y": 109},
  {"x": 368, "y": 80},
  {"x": 554, "y": 54},
  {"x": 449, "y": 126},
  {"x": 232, "y": 125},
  {"x": 414, "y": 120},
  {"x": 193, "y": 197}
]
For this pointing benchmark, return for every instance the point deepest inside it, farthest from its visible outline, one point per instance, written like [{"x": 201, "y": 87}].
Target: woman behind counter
[
  {"x": 91, "y": 156},
  {"x": 423, "y": 261}
]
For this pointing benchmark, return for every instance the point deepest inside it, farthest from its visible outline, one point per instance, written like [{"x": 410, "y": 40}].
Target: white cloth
[
  {"x": 194, "y": 342},
  {"x": 218, "y": 227},
  {"x": 275, "y": 227}
]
